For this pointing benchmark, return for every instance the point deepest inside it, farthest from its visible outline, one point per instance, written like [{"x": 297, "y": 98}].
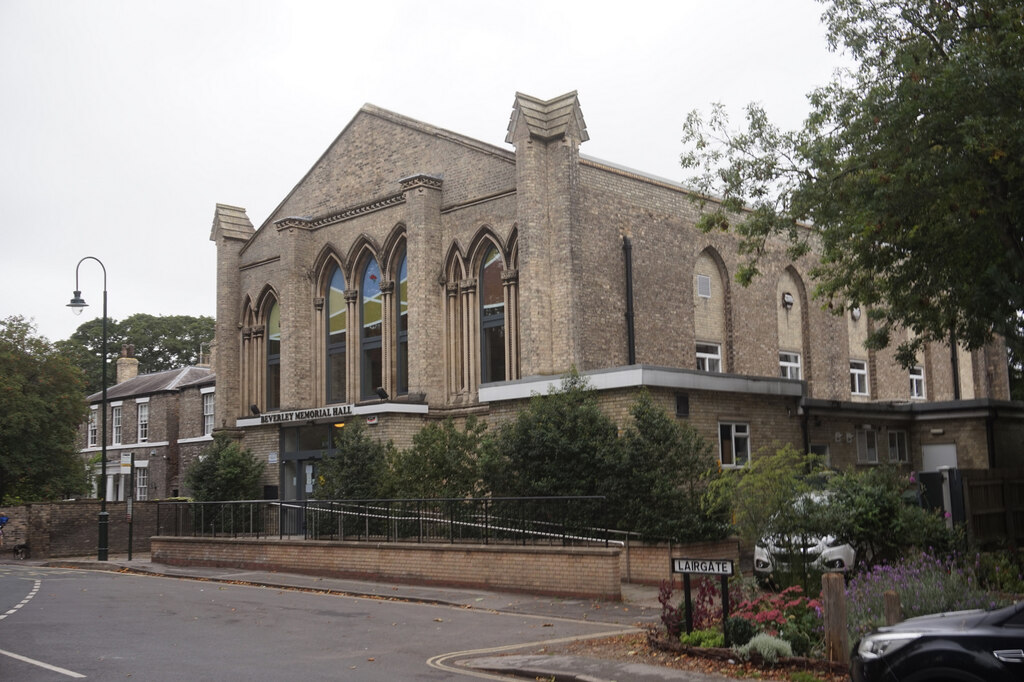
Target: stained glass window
[
  {"x": 402, "y": 310},
  {"x": 371, "y": 312},
  {"x": 337, "y": 327}
]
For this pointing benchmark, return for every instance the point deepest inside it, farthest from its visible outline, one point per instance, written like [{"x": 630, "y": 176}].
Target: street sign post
[{"x": 722, "y": 567}]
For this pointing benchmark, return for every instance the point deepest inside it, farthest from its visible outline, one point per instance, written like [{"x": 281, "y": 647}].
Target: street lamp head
[{"x": 77, "y": 303}]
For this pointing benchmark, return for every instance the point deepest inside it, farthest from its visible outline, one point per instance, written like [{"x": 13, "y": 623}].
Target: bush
[
  {"x": 671, "y": 616},
  {"x": 225, "y": 471},
  {"x": 924, "y": 583},
  {"x": 442, "y": 461},
  {"x": 870, "y": 511},
  {"x": 1001, "y": 571},
  {"x": 789, "y": 615},
  {"x": 668, "y": 464},
  {"x": 771, "y": 649},
  {"x": 703, "y": 638},
  {"x": 740, "y": 630},
  {"x": 358, "y": 468}
]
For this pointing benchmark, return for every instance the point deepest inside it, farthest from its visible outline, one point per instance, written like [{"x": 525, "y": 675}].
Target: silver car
[{"x": 786, "y": 554}]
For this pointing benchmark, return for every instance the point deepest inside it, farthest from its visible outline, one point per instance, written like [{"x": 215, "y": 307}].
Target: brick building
[
  {"x": 165, "y": 419},
  {"x": 414, "y": 273}
]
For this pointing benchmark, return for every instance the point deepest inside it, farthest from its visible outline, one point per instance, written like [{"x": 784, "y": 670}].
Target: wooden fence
[{"x": 994, "y": 507}]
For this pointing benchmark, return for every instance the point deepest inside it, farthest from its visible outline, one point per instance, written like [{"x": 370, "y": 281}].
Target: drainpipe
[
  {"x": 627, "y": 250},
  {"x": 990, "y": 436},
  {"x": 804, "y": 427},
  {"x": 955, "y": 362}
]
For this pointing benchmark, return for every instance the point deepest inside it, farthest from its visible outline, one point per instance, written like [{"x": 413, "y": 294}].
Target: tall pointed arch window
[
  {"x": 371, "y": 338},
  {"x": 402, "y": 325},
  {"x": 492, "y": 318},
  {"x": 274, "y": 357},
  {"x": 337, "y": 328}
]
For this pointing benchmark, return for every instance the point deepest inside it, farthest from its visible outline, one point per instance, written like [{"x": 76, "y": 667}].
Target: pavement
[{"x": 639, "y": 606}]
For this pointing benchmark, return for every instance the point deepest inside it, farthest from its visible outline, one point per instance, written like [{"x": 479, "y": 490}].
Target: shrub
[
  {"x": 224, "y": 471},
  {"x": 1001, "y": 571},
  {"x": 703, "y": 638},
  {"x": 740, "y": 630},
  {"x": 770, "y": 648},
  {"x": 870, "y": 511},
  {"x": 788, "y": 614},
  {"x": 671, "y": 617},
  {"x": 924, "y": 583}
]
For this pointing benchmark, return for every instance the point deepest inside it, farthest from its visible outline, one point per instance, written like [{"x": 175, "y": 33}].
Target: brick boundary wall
[
  {"x": 590, "y": 572},
  {"x": 650, "y": 564},
  {"x": 68, "y": 529}
]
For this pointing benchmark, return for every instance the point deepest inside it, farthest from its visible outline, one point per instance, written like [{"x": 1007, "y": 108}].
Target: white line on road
[
  {"x": 27, "y": 599},
  {"x": 26, "y": 659},
  {"x": 35, "y": 589}
]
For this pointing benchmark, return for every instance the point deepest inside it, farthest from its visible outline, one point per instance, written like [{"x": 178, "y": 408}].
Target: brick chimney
[{"x": 127, "y": 364}]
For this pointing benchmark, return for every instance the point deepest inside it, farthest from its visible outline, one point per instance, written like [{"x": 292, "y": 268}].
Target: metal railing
[{"x": 508, "y": 520}]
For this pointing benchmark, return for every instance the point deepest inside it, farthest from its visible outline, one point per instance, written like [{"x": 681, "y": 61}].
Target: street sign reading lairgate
[
  {"x": 712, "y": 566},
  {"x": 720, "y": 567}
]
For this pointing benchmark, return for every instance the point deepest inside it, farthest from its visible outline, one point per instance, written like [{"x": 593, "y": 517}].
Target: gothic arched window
[
  {"x": 274, "y": 357},
  {"x": 337, "y": 328},
  {"x": 492, "y": 318},
  {"x": 371, "y": 338},
  {"x": 402, "y": 313}
]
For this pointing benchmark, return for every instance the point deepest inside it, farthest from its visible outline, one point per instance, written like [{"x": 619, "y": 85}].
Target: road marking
[
  {"x": 26, "y": 659},
  {"x": 35, "y": 589},
  {"x": 440, "y": 662}
]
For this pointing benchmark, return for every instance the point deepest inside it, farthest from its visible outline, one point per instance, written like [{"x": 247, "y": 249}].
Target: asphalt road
[{"x": 65, "y": 624}]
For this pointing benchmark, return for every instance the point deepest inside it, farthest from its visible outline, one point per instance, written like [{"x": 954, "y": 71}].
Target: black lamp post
[{"x": 76, "y": 305}]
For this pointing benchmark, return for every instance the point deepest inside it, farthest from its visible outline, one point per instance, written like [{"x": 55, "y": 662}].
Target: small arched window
[
  {"x": 492, "y": 318},
  {"x": 372, "y": 362},
  {"x": 337, "y": 328},
  {"x": 402, "y": 313},
  {"x": 274, "y": 357}
]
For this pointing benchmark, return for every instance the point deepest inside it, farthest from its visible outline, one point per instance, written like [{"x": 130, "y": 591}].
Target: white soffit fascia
[{"x": 633, "y": 377}]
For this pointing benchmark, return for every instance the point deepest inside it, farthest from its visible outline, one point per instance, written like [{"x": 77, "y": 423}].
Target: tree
[
  {"x": 442, "y": 461},
  {"x": 358, "y": 468},
  {"x": 667, "y": 467},
  {"x": 224, "y": 471},
  {"x": 909, "y": 167},
  {"x": 42, "y": 403},
  {"x": 560, "y": 445},
  {"x": 760, "y": 496},
  {"x": 871, "y": 511},
  {"x": 160, "y": 342}
]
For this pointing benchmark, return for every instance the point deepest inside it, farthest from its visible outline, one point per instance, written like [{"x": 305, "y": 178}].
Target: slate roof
[{"x": 157, "y": 382}]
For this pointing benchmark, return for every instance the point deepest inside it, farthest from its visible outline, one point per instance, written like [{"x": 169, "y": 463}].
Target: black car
[{"x": 961, "y": 646}]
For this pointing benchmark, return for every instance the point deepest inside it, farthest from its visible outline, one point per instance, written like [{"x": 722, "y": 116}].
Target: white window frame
[
  {"x": 859, "y": 378},
  {"x": 867, "y": 446},
  {"x": 208, "y": 407},
  {"x": 115, "y": 421},
  {"x": 899, "y": 447},
  {"x": 142, "y": 484},
  {"x": 143, "y": 422},
  {"x": 703, "y": 286},
  {"x": 92, "y": 434},
  {"x": 917, "y": 383},
  {"x": 737, "y": 458},
  {"x": 709, "y": 357},
  {"x": 789, "y": 364}
]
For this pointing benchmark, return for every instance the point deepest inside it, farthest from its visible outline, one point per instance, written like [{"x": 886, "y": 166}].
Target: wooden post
[
  {"x": 833, "y": 600},
  {"x": 893, "y": 609}
]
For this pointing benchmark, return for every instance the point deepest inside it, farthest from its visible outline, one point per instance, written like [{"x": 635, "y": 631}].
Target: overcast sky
[{"x": 123, "y": 122}]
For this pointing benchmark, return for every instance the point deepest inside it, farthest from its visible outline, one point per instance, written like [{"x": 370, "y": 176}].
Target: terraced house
[{"x": 414, "y": 273}]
